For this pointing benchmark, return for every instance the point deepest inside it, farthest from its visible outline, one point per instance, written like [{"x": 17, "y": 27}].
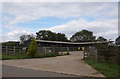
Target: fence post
[
  {"x": 45, "y": 50},
  {"x": 54, "y": 50},
  {"x": 96, "y": 55},
  {"x": 6, "y": 50},
  {"x": 62, "y": 50},
  {"x": 14, "y": 50},
  {"x": 67, "y": 50},
  {"x": 83, "y": 54}
]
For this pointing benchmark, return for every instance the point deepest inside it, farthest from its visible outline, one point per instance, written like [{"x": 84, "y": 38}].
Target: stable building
[
  {"x": 46, "y": 43},
  {"x": 58, "y": 46}
]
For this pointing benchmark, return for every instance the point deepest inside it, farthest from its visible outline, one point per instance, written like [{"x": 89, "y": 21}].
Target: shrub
[{"x": 32, "y": 48}]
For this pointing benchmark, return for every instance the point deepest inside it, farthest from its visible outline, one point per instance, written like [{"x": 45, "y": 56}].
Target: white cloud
[
  {"x": 28, "y": 11},
  {"x": 24, "y": 12},
  {"x": 17, "y": 32},
  {"x": 107, "y": 29},
  {"x": 14, "y": 35}
]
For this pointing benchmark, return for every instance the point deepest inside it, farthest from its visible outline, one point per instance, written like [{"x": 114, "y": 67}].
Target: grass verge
[
  {"x": 24, "y": 56},
  {"x": 110, "y": 70}
]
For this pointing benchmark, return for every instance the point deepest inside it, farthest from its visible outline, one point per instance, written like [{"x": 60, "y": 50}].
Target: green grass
[
  {"x": 7, "y": 57},
  {"x": 24, "y": 56},
  {"x": 110, "y": 70}
]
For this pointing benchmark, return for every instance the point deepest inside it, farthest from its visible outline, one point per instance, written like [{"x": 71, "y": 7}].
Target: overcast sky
[{"x": 65, "y": 17}]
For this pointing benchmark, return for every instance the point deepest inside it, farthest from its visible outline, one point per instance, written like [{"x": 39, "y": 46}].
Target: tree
[
  {"x": 32, "y": 48},
  {"x": 45, "y": 35},
  {"x": 117, "y": 41},
  {"x": 49, "y": 35},
  {"x": 101, "y": 39},
  {"x": 10, "y": 43},
  {"x": 61, "y": 37},
  {"x": 83, "y": 36},
  {"x": 24, "y": 38}
]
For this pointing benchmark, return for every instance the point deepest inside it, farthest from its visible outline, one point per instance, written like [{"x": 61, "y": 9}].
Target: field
[{"x": 110, "y": 70}]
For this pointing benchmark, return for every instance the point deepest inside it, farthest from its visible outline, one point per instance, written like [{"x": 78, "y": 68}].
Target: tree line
[{"x": 81, "y": 36}]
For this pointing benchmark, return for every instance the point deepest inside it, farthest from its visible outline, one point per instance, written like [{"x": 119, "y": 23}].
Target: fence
[
  {"x": 55, "y": 50},
  {"x": 13, "y": 50},
  {"x": 91, "y": 53},
  {"x": 108, "y": 55},
  {"x": 102, "y": 54},
  {"x": 21, "y": 50}
]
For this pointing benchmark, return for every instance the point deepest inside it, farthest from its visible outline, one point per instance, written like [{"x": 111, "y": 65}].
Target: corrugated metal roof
[{"x": 46, "y": 41}]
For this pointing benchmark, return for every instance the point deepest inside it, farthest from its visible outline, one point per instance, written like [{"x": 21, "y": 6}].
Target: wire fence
[{"x": 102, "y": 54}]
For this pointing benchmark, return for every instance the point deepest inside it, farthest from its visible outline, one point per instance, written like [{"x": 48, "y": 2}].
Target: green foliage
[
  {"x": 117, "y": 41},
  {"x": 83, "y": 36},
  {"x": 24, "y": 38},
  {"x": 61, "y": 37},
  {"x": 49, "y": 35},
  {"x": 101, "y": 39},
  {"x": 10, "y": 43},
  {"x": 32, "y": 48},
  {"x": 110, "y": 70}
]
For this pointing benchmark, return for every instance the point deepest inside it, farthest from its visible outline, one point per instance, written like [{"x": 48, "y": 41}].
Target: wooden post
[
  {"x": 6, "y": 50},
  {"x": 14, "y": 50},
  {"x": 54, "y": 50},
  {"x": 45, "y": 49},
  {"x": 62, "y": 50},
  {"x": 67, "y": 50},
  {"x": 83, "y": 55},
  {"x": 96, "y": 55}
]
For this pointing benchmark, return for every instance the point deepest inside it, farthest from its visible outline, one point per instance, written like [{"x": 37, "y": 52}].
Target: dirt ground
[{"x": 69, "y": 64}]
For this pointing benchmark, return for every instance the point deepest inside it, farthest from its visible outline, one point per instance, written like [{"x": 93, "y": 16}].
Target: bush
[{"x": 32, "y": 48}]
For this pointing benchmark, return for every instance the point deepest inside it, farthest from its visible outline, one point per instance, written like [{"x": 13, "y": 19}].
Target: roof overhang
[{"x": 59, "y": 42}]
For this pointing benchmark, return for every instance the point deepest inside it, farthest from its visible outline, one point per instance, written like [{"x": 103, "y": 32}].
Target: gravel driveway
[{"x": 69, "y": 64}]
